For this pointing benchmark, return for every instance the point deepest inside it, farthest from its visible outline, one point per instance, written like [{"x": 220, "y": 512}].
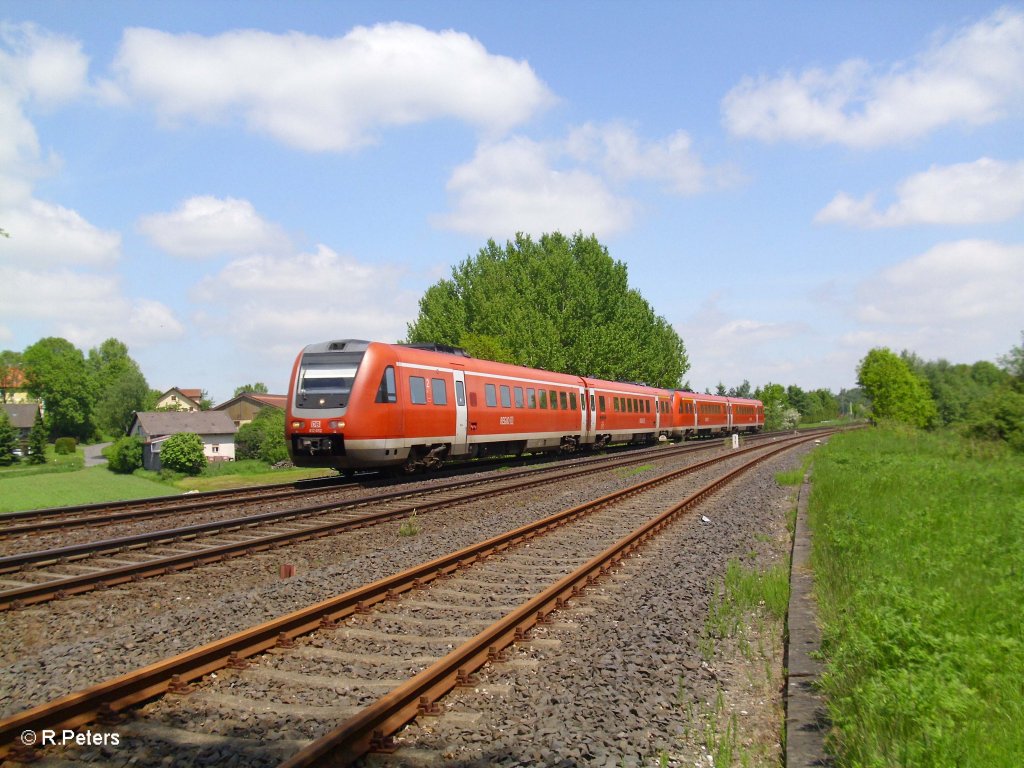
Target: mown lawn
[
  {"x": 63, "y": 482},
  {"x": 84, "y": 486},
  {"x": 919, "y": 568}
]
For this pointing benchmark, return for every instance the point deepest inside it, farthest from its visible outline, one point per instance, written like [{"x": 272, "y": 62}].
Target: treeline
[
  {"x": 86, "y": 395},
  {"x": 785, "y": 407},
  {"x": 982, "y": 400}
]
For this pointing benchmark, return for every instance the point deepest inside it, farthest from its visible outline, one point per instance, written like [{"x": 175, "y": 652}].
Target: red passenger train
[{"x": 359, "y": 404}]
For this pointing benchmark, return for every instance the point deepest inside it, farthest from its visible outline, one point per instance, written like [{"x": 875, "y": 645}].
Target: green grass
[
  {"x": 62, "y": 481},
  {"x": 919, "y": 568},
  {"x": 745, "y": 591},
  {"x": 86, "y": 486}
]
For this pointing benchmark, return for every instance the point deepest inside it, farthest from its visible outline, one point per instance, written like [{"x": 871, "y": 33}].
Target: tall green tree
[
  {"x": 120, "y": 386},
  {"x": 896, "y": 392},
  {"x": 1013, "y": 361},
  {"x": 259, "y": 388},
  {"x": 8, "y": 440},
  {"x": 57, "y": 373},
  {"x": 37, "y": 441},
  {"x": 559, "y": 303}
]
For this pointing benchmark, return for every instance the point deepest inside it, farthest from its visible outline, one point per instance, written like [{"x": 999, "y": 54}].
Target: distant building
[
  {"x": 13, "y": 387},
  {"x": 243, "y": 408},
  {"x": 180, "y": 399},
  {"x": 23, "y": 418},
  {"x": 214, "y": 428}
]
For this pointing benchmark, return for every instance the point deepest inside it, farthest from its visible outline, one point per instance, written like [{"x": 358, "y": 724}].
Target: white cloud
[
  {"x": 274, "y": 306},
  {"x": 85, "y": 308},
  {"x": 327, "y": 94},
  {"x": 967, "y": 193},
  {"x": 42, "y": 70},
  {"x": 950, "y": 286},
  {"x": 47, "y": 234},
  {"x": 728, "y": 349},
  {"x": 40, "y": 66},
  {"x": 624, "y": 156},
  {"x": 972, "y": 78},
  {"x": 209, "y": 226},
  {"x": 513, "y": 186}
]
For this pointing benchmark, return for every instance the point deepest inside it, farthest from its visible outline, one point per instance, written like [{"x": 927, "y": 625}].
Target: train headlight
[
  {"x": 297, "y": 424},
  {"x": 336, "y": 424}
]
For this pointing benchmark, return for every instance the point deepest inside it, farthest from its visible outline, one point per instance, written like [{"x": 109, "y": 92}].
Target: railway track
[
  {"x": 547, "y": 554},
  {"x": 37, "y": 576},
  {"x": 62, "y": 519}
]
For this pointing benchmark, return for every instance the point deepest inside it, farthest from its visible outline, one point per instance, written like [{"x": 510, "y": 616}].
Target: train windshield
[{"x": 325, "y": 379}]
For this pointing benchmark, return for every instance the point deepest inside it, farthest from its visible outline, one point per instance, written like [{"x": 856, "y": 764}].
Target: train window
[
  {"x": 386, "y": 392},
  {"x": 592, "y": 401},
  {"x": 439, "y": 391},
  {"x": 618, "y": 405},
  {"x": 506, "y": 396},
  {"x": 531, "y": 397},
  {"x": 418, "y": 390},
  {"x": 460, "y": 393},
  {"x": 544, "y": 399},
  {"x": 572, "y": 401},
  {"x": 472, "y": 399},
  {"x": 563, "y": 401},
  {"x": 647, "y": 406},
  {"x": 517, "y": 394},
  {"x": 600, "y": 403},
  {"x": 491, "y": 395},
  {"x": 553, "y": 396}
]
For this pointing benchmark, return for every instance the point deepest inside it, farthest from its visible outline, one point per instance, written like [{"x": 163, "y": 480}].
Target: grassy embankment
[
  {"x": 62, "y": 481},
  {"x": 919, "y": 567}
]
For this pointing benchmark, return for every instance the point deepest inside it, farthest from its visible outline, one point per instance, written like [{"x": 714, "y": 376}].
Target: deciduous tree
[
  {"x": 120, "y": 386},
  {"x": 259, "y": 388},
  {"x": 895, "y": 391},
  {"x": 561, "y": 304},
  {"x": 57, "y": 373}
]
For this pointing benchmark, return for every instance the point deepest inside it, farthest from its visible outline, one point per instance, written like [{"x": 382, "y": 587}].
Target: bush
[
  {"x": 65, "y": 446},
  {"x": 183, "y": 453},
  {"x": 124, "y": 456},
  {"x": 263, "y": 438}
]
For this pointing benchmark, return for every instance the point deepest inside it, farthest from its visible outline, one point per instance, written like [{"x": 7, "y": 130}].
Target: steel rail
[
  {"x": 113, "y": 696},
  {"x": 112, "y": 512},
  {"x": 373, "y": 727},
  {"x": 31, "y": 594}
]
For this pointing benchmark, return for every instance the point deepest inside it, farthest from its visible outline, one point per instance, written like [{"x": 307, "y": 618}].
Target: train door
[
  {"x": 590, "y": 409},
  {"x": 461, "y": 413}
]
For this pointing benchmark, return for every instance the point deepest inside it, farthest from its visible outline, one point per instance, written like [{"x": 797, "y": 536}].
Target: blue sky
[{"x": 790, "y": 184}]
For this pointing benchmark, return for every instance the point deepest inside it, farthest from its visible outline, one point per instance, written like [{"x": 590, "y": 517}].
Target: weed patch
[{"x": 918, "y": 559}]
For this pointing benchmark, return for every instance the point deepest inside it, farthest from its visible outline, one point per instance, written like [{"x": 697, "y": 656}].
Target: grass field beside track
[
  {"x": 83, "y": 486},
  {"x": 63, "y": 482},
  {"x": 919, "y": 569}
]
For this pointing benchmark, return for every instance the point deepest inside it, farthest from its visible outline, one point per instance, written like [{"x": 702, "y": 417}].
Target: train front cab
[{"x": 343, "y": 409}]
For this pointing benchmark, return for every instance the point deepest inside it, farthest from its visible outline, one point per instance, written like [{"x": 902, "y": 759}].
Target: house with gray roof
[
  {"x": 22, "y": 417},
  {"x": 215, "y": 429}
]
